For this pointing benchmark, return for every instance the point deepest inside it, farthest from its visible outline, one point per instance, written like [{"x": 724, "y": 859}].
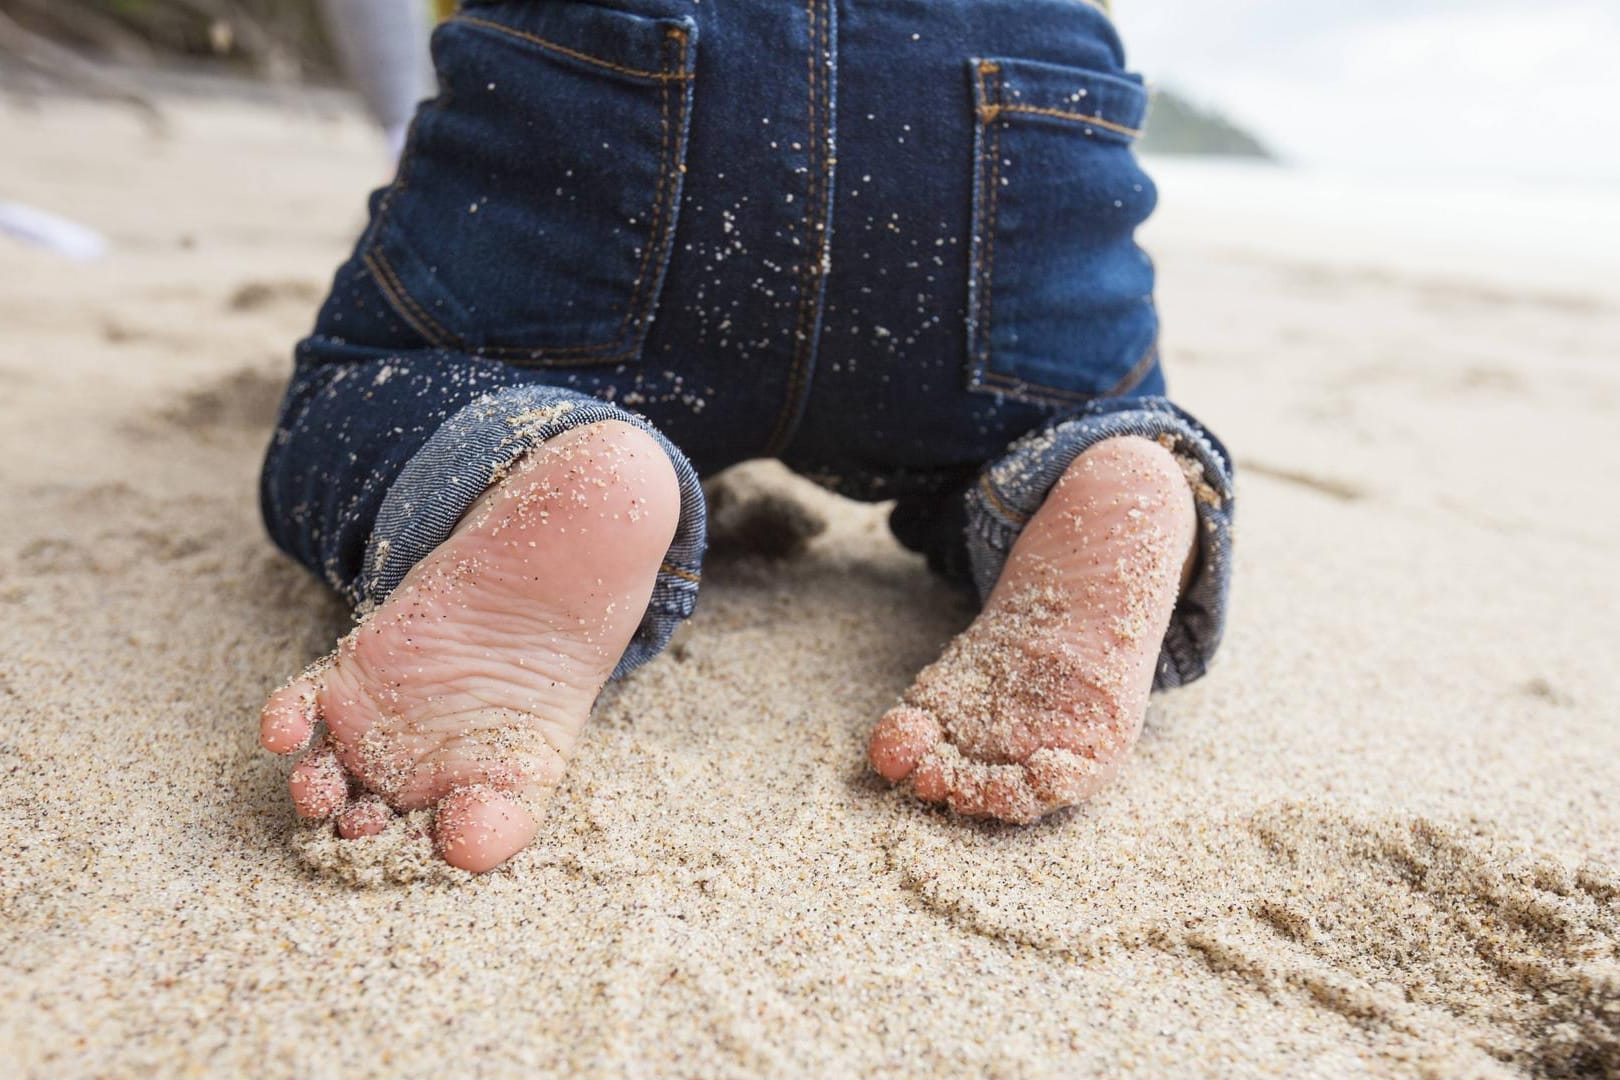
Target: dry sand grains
[{"x": 1379, "y": 839}]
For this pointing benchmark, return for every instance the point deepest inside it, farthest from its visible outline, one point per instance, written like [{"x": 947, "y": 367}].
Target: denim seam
[
  {"x": 662, "y": 76},
  {"x": 1008, "y": 386},
  {"x": 654, "y": 240},
  {"x": 1017, "y": 517},
  {"x": 1077, "y": 118},
  {"x": 773, "y": 444},
  {"x": 382, "y": 271},
  {"x": 624, "y": 341},
  {"x": 987, "y": 295},
  {"x": 404, "y": 303},
  {"x": 655, "y": 237},
  {"x": 988, "y": 180},
  {"x": 655, "y": 234},
  {"x": 980, "y": 238},
  {"x": 810, "y": 282}
]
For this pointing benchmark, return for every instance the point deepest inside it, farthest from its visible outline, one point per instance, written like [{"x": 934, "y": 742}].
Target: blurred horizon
[
  {"x": 1493, "y": 90},
  {"x": 1492, "y": 94}
]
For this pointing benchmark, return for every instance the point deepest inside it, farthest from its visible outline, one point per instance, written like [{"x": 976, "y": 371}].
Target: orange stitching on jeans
[
  {"x": 391, "y": 281},
  {"x": 1027, "y": 391},
  {"x": 1138, "y": 372},
  {"x": 382, "y": 271},
  {"x": 987, "y": 290},
  {"x": 684, "y": 575},
  {"x": 823, "y": 208},
  {"x": 661, "y": 76},
  {"x": 998, "y": 505},
  {"x": 1097, "y": 121},
  {"x": 1013, "y": 387},
  {"x": 664, "y": 176},
  {"x": 394, "y": 300}
]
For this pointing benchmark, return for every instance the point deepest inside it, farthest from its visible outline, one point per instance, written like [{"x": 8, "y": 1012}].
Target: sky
[{"x": 1500, "y": 90}]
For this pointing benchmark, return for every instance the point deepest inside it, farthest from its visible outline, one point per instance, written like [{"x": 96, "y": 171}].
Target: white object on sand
[{"x": 34, "y": 226}]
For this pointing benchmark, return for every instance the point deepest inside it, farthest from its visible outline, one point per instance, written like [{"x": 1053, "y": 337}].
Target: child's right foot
[
  {"x": 467, "y": 688},
  {"x": 1035, "y": 705}
]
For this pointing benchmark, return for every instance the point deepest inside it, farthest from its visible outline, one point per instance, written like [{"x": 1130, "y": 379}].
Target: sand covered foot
[
  {"x": 1036, "y": 705},
  {"x": 467, "y": 689}
]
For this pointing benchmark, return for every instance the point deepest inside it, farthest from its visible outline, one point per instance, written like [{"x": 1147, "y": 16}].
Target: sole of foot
[
  {"x": 1037, "y": 704},
  {"x": 467, "y": 688}
]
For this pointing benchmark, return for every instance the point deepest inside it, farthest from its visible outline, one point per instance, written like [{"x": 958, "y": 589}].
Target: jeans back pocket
[
  {"x": 1060, "y": 301},
  {"x": 533, "y": 213}
]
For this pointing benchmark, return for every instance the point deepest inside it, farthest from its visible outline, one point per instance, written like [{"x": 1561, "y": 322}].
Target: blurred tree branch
[
  {"x": 279, "y": 40},
  {"x": 47, "y": 57}
]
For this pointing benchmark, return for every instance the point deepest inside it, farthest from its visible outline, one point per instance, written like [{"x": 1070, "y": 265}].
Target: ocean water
[{"x": 1544, "y": 236}]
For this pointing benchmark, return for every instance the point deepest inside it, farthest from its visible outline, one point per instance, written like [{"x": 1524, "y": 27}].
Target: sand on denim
[{"x": 1379, "y": 838}]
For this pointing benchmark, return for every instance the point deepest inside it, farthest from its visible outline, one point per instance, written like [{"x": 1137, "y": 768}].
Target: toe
[
  {"x": 478, "y": 828},
  {"x": 318, "y": 784},
  {"x": 902, "y": 739},
  {"x": 945, "y": 776},
  {"x": 288, "y": 718},
  {"x": 929, "y": 780},
  {"x": 1009, "y": 796},
  {"x": 365, "y": 817},
  {"x": 966, "y": 790},
  {"x": 1064, "y": 778}
]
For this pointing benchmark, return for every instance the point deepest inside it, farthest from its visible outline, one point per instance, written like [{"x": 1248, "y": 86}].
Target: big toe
[
  {"x": 478, "y": 828},
  {"x": 901, "y": 740}
]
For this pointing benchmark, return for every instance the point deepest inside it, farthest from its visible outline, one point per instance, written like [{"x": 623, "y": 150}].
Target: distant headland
[{"x": 1177, "y": 126}]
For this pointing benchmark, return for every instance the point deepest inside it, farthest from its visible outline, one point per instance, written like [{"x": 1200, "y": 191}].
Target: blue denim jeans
[{"x": 889, "y": 242}]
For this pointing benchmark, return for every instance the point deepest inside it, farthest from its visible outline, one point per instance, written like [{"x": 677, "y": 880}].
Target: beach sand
[{"x": 1381, "y": 837}]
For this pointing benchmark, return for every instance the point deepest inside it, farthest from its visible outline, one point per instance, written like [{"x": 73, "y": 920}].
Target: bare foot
[
  {"x": 1036, "y": 705},
  {"x": 466, "y": 690}
]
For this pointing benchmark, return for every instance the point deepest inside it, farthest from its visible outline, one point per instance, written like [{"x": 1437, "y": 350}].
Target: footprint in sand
[
  {"x": 257, "y": 295},
  {"x": 1476, "y": 955},
  {"x": 242, "y": 402},
  {"x": 1441, "y": 932}
]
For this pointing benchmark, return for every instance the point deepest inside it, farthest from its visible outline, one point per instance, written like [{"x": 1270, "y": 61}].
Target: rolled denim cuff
[
  {"x": 472, "y": 450},
  {"x": 1011, "y": 490}
]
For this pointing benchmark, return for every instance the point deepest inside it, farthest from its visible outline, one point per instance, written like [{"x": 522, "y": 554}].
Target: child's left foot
[
  {"x": 1036, "y": 705},
  {"x": 467, "y": 688}
]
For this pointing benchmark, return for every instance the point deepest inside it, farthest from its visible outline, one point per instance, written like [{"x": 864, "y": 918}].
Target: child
[{"x": 633, "y": 243}]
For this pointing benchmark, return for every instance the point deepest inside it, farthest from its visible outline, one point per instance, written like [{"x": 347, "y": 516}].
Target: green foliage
[
  {"x": 1176, "y": 126},
  {"x": 277, "y": 38}
]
